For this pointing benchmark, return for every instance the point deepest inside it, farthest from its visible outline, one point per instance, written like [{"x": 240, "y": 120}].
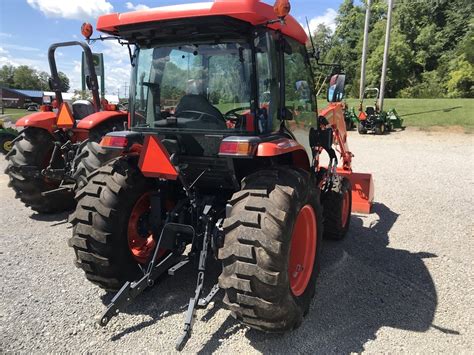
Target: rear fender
[
  {"x": 98, "y": 118},
  {"x": 282, "y": 146},
  {"x": 44, "y": 120}
]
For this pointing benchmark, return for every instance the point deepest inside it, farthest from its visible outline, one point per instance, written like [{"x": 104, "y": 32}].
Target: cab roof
[{"x": 250, "y": 11}]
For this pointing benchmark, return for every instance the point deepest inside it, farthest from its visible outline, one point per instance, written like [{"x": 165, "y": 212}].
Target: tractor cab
[
  {"x": 224, "y": 77},
  {"x": 218, "y": 84}
]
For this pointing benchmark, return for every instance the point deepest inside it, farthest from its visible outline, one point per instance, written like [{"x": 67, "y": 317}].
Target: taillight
[
  {"x": 238, "y": 146},
  {"x": 114, "y": 142}
]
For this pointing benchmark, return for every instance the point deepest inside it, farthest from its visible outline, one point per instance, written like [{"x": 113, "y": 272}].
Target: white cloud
[
  {"x": 117, "y": 66},
  {"x": 137, "y": 7},
  {"x": 4, "y": 34},
  {"x": 38, "y": 64},
  {"x": 116, "y": 61},
  {"x": 20, "y": 48},
  {"x": 328, "y": 19},
  {"x": 72, "y": 9}
]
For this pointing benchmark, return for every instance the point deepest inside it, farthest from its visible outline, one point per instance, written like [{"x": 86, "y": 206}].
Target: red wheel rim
[
  {"x": 345, "y": 213},
  {"x": 303, "y": 250},
  {"x": 140, "y": 238}
]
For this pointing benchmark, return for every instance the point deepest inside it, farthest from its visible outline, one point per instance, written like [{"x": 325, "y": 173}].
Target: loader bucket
[{"x": 362, "y": 190}]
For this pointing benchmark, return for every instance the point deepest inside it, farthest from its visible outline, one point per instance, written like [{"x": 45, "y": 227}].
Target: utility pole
[
  {"x": 385, "y": 54},
  {"x": 125, "y": 84},
  {"x": 364, "y": 51}
]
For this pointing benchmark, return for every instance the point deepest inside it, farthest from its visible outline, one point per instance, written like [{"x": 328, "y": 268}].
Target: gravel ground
[{"x": 400, "y": 282}]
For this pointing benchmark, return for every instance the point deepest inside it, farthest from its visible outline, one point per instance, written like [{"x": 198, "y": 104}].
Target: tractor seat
[
  {"x": 370, "y": 110},
  {"x": 81, "y": 109},
  {"x": 198, "y": 103}
]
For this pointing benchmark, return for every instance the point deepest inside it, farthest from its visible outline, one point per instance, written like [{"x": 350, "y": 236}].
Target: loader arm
[
  {"x": 335, "y": 116},
  {"x": 362, "y": 183}
]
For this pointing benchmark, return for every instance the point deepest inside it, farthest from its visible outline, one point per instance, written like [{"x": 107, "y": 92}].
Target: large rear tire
[
  {"x": 33, "y": 151},
  {"x": 337, "y": 205},
  {"x": 101, "y": 224},
  {"x": 91, "y": 155},
  {"x": 271, "y": 249}
]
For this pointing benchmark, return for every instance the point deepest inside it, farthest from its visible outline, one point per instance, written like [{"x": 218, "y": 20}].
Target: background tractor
[
  {"x": 7, "y": 135},
  {"x": 56, "y": 150},
  {"x": 375, "y": 120},
  {"x": 210, "y": 169}
]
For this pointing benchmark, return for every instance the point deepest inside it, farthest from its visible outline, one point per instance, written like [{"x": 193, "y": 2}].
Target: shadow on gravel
[
  {"x": 55, "y": 217},
  {"x": 364, "y": 285},
  {"x": 170, "y": 296}
]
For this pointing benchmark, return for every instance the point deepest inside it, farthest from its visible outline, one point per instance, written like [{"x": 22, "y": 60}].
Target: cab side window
[
  {"x": 268, "y": 93},
  {"x": 299, "y": 87}
]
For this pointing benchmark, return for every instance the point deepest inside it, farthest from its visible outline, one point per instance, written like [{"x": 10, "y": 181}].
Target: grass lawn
[
  {"x": 425, "y": 113},
  {"x": 15, "y": 113}
]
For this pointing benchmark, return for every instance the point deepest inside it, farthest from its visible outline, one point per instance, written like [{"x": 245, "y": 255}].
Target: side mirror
[
  {"x": 336, "y": 88},
  {"x": 287, "y": 115}
]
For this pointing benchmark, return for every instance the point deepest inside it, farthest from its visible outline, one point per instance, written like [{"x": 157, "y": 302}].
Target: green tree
[
  {"x": 65, "y": 84},
  {"x": 461, "y": 78},
  {"x": 26, "y": 78},
  {"x": 6, "y": 75},
  {"x": 44, "y": 80}
]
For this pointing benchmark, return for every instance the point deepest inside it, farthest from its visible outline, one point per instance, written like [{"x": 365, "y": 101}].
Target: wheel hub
[
  {"x": 7, "y": 145},
  {"x": 345, "y": 213},
  {"x": 302, "y": 250},
  {"x": 139, "y": 236}
]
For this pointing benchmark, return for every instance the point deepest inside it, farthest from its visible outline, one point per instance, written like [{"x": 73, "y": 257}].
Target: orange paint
[
  {"x": 362, "y": 190},
  {"x": 252, "y": 11},
  {"x": 97, "y": 118},
  {"x": 44, "y": 120},
  {"x": 155, "y": 160},
  {"x": 277, "y": 147},
  {"x": 65, "y": 118}
]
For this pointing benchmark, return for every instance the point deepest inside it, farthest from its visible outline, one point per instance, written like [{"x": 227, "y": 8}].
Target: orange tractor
[
  {"x": 55, "y": 151},
  {"x": 210, "y": 168}
]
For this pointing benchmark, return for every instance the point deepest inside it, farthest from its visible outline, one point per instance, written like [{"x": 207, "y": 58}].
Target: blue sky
[{"x": 28, "y": 27}]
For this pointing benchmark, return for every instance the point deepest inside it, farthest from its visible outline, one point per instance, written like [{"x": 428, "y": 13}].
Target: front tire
[
  {"x": 267, "y": 286},
  {"x": 380, "y": 129},
  {"x": 337, "y": 206},
  {"x": 361, "y": 129}
]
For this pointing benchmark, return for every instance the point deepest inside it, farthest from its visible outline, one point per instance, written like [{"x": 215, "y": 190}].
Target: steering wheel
[
  {"x": 202, "y": 114},
  {"x": 228, "y": 115}
]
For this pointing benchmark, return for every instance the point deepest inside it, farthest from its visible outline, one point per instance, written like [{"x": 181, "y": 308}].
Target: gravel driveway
[{"x": 402, "y": 281}]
